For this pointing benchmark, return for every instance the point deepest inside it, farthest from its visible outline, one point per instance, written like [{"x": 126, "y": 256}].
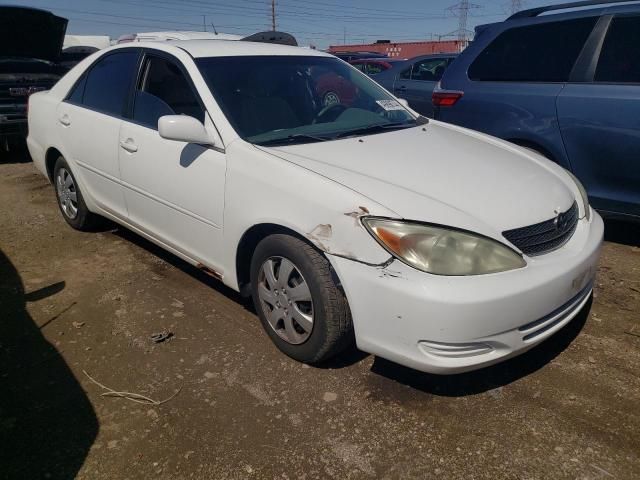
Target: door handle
[
  {"x": 401, "y": 88},
  {"x": 129, "y": 145},
  {"x": 64, "y": 120}
]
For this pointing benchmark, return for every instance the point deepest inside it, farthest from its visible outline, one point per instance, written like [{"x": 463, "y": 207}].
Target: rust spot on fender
[{"x": 209, "y": 271}]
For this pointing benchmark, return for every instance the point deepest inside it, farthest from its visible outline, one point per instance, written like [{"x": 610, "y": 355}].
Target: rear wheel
[
  {"x": 300, "y": 306},
  {"x": 70, "y": 200}
]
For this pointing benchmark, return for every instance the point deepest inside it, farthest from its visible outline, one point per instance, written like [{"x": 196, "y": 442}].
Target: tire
[
  {"x": 331, "y": 328},
  {"x": 70, "y": 201}
]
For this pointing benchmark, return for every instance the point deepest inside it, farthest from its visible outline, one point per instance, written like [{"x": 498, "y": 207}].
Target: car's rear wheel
[
  {"x": 299, "y": 304},
  {"x": 70, "y": 200}
]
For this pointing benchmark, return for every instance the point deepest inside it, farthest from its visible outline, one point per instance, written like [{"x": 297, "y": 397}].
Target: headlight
[
  {"x": 440, "y": 250},
  {"x": 583, "y": 194}
]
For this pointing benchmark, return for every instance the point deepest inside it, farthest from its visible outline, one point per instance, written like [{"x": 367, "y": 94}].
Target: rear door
[
  {"x": 600, "y": 120},
  {"x": 511, "y": 79},
  {"x": 174, "y": 190},
  {"x": 89, "y": 123},
  {"x": 416, "y": 83}
]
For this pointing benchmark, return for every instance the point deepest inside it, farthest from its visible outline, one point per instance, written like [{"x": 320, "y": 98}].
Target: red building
[{"x": 404, "y": 49}]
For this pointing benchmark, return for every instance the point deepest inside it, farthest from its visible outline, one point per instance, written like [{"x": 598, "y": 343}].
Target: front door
[{"x": 173, "y": 190}]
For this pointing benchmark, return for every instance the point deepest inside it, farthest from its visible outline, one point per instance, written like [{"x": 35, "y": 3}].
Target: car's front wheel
[
  {"x": 70, "y": 200},
  {"x": 297, "y": 299}
]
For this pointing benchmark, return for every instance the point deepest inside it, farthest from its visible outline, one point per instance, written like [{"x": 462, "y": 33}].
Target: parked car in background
[
  {"x": 374, "y": 66},
  {"x": 351, "y": 56},
  {"x": 71, "y": 56},
  {"x": 415, "y": 79},
  {"x": 437, "y": 247},
  {"x": 30, "y": 45},
  {"x": 97, "y": 41},
  {"x": 566, "y": 85},
  {"x": 175, "y": 35}
]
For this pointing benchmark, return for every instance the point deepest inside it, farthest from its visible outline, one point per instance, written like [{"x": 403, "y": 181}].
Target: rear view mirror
[{"x": 183, "y": 128}]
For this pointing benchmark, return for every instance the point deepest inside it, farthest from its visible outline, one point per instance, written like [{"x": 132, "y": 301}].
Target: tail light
[{"x": 445, "y": 98}]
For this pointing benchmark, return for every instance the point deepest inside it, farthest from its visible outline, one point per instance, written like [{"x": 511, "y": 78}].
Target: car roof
[
  {"x": 234, "y": 48},
  {"x": 596, "y": 9}
]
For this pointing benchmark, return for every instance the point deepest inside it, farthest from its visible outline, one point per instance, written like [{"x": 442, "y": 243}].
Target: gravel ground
[{"x": 74, "y": 302}]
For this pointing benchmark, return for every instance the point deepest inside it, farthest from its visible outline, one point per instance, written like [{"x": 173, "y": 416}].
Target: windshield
[{"x": 273, "y": 100}]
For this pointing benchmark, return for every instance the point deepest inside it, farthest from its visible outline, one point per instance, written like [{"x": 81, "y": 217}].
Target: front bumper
[{"x": 443, "y": 325}]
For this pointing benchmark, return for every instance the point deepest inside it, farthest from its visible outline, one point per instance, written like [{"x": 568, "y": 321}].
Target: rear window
[
  {"x": 536, "y": 53},
  {"x": 107, "y": 83},
  {"x": 620, "y": 56}
]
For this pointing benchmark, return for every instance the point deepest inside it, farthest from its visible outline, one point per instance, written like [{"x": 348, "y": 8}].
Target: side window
[
  {"x": 430, "y": 70},
  {"x": 164, "y": 90},
  {"x": 406, "y": 74},
  {"x": 542, "y": 52},
  {"x": 620, "y": 56},
  {"x": 360, "y": 66},
  {"x": 375, "y": 68},
  {"x": 108, "y": 81},
  {"x": 76, "y": 94}
]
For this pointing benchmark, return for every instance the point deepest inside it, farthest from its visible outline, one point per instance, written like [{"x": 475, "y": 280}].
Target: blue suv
[{"x": 566, "y": 84}]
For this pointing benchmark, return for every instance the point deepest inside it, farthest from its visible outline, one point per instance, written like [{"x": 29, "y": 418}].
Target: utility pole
[
  {"x": 204, "y": 23},
  {"x": 344, "y": 36},
  {"x": 273, "y": 15}
]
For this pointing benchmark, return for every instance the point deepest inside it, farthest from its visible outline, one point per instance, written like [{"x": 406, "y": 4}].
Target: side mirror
[
  {"x": 183, "y": 128},
  {"x": 403, "y": 102}
]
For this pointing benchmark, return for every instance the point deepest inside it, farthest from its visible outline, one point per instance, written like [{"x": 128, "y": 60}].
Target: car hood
[
  {"x": 442, "y": 174},
  {"x": 31, "y": 33}
]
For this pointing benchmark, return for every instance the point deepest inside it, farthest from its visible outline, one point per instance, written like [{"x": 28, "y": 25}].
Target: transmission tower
[{"x": 461, "y": 10}]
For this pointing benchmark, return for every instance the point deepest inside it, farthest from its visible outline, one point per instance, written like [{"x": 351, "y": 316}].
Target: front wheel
[{"x": 300, "y": 306}]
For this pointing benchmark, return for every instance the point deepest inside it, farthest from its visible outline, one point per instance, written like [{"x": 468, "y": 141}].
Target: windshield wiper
[
  {"x": 298, "y": 137},
  {"x": 376, "y": 127}
]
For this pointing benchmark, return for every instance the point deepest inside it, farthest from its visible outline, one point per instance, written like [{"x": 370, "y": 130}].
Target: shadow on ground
[
  {"x": 488, "y": 378},
  {"x": 47, "y": 424},
  {"x": 624, "y": 232}
]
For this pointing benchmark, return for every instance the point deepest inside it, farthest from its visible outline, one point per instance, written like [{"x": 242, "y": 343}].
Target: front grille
[{"x": 546, "y": 236}]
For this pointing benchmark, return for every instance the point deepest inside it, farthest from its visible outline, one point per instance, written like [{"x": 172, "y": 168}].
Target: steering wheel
[{"x": 335, "y": 109}]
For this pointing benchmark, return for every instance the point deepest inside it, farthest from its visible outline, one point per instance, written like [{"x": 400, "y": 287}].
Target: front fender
[{"x": 264, "y": 189}]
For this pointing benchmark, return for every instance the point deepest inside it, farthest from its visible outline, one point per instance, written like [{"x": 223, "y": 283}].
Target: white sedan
[{"x": 427, "y": 244}]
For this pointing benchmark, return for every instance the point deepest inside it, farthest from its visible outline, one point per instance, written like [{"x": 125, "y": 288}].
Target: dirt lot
[{"x": 72, "y": 301}]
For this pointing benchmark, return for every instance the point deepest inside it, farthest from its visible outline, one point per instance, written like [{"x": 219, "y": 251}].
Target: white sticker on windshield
[{"x": 389, "y": 105}]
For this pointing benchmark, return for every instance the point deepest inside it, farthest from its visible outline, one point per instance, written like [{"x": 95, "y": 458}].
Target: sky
[{"x": 317, "y": 22}]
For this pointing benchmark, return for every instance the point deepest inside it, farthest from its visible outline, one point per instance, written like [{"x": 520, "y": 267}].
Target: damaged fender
[{"x": 262, "y": 188}]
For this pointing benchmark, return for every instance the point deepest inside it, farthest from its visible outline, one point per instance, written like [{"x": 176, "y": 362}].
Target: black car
[{"x": 30, "y": 46}]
